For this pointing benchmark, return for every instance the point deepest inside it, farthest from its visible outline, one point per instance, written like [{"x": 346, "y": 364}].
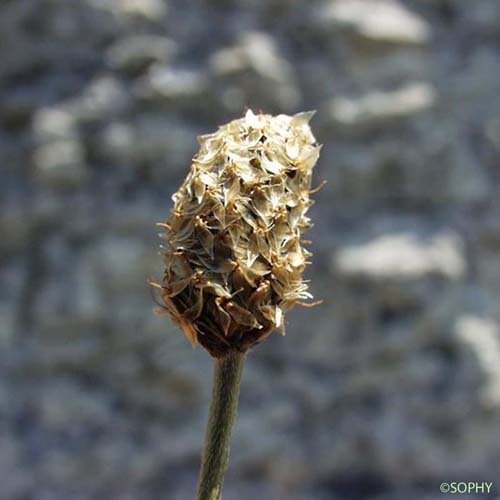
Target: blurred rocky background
[{"x": 390, "y": 387}]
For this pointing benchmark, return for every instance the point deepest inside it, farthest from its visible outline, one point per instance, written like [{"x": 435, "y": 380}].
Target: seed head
[{"x": 234, "y": 254}]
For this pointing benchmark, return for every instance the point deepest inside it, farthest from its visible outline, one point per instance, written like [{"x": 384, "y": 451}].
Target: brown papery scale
[{"x": 234, "y": 254}]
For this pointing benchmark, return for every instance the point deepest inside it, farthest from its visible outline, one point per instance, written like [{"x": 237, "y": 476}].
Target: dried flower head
[{"x": 234, "y": 254}]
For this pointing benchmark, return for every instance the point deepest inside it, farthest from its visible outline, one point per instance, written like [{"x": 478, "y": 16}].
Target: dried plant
[{"x": 234, "y": 253}]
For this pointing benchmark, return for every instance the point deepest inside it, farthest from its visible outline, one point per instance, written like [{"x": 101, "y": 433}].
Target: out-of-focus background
[{"x": 389, "y": 388}]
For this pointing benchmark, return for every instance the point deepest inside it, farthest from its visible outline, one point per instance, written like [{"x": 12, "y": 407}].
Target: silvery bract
[{"x": 234, "y": 254}]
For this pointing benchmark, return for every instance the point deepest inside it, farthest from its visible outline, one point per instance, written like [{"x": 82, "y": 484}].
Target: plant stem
[{"x": 223, "y": 409}]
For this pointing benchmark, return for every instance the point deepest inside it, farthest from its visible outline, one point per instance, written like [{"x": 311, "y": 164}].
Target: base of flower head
[{"x": 219, "y": 347}]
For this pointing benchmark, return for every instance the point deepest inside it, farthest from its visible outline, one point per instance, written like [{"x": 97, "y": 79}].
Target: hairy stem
[{"x": 223, "y": 409}]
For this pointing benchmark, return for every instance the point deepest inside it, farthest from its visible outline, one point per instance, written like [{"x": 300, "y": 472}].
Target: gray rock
[
  {"x": 467, "y": 182},
  {"x": 492, "y": 130},
  {"x": 88, "y": 296},
  {"x": 123, "y": 264},
  {"x": 384, "y": 21},
  {"x": 13, "y": 281},
  {"x": 103, "y": 98},
  {"x": 258, "y": 56},
  {"x": 407, "y": 64},
  {"x": 404, "y": 255},
  {"x": 172, "y": 142},
  {"x": 147, "y": 10},
  {"x": 379, "y": 108},
  {"x": 482, "y": 335},
  {"x": 172, "y": 83},
  {"x": 64, "y": 401},
  {"x": 483, "y": 16},
  {"x": 15, "y": 235},
  {"x": 254, "y": 50},
  {"x": 52, "y": 124},
  {"x": 11, "y": 457},
  {"x": 61, "y": 163},
  {"x": 151, "y": 138},
  {"x": 135, "y": 53},
  {"x": 118, "y": 142}
]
